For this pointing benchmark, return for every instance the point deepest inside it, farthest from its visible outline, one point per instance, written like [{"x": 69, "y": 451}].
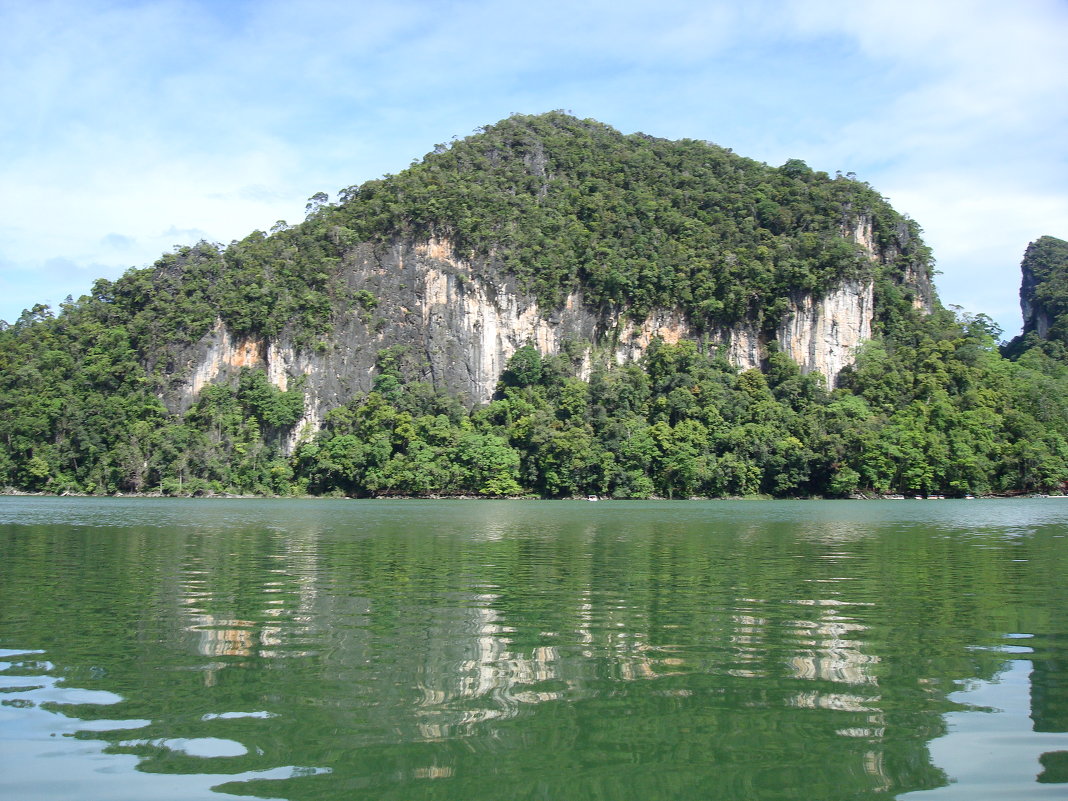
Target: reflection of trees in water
[
  {"x": 1049, "y": 683},
  {"x": 738, "y": 649},
  {"x": 493, "y": 681},
  {"x": 1049, "y": 700},
  {"x": 690, "y": 648}
]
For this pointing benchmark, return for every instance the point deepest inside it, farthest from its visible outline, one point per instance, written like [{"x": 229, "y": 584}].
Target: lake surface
[{"x": 158, "y": 649}]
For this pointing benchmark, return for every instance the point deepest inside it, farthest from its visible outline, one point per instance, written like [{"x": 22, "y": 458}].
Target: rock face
[
  {"x": 1043, "y": 297},
  {"x": 1035, "y": 316},
  {"x": 458, "y": 324},
  {"x": 822, "y": 335}
]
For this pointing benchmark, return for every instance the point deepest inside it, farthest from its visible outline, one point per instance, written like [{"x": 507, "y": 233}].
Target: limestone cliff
[
  {"x": 1043, "y": 295},
  {"x": 822, "y": 334},
  {"x": 461, "y": 321},
  {"x": 1035, "y": 316}
]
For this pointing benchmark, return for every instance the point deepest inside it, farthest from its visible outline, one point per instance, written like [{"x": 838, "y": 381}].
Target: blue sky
[{"x": 131, "y": 127}]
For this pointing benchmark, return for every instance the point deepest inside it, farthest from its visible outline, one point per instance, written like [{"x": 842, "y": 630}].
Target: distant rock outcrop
[
  {"x": 1043, "y": 300},
  {"x": 1044, "y": 287}
]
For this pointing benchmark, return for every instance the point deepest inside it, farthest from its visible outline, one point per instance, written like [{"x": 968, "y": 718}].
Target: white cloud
[{"x": 970, "y": 144}]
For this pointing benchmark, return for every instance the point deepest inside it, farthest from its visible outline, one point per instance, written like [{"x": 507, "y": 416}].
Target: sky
[{"x": 130, "y": 127}]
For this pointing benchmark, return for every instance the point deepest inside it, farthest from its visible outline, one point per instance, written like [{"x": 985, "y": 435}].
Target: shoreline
[{"x": 13, "y": 492}]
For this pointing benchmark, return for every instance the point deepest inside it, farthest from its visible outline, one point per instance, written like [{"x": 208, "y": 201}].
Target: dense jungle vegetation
[
  {"x": 637, "y": 222},
  {"x": 931, "y": 405}
]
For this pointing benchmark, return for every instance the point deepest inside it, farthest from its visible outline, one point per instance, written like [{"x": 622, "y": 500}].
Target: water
[{"x": 204, "y": 649}]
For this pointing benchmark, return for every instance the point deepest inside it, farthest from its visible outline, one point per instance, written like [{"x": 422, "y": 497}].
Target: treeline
[
  {"x": 938, "y": 411},
  {"x": 930, "y": 407},
  {"x": 78, "y": 413}
]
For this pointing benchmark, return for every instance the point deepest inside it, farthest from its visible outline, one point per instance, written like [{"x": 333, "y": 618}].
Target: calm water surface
[{"x": 202, "y": 649}]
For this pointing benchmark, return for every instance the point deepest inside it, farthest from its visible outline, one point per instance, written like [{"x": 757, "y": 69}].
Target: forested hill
[
  {"x": 558, "y": 208},
  {"x": 559, "y": 203}
]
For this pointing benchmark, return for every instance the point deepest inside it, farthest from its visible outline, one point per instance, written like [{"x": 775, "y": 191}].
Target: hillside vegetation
[{"x": 637, "y": 223}]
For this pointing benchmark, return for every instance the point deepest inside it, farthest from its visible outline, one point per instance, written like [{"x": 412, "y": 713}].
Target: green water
[{"x": 186, "y": 649}]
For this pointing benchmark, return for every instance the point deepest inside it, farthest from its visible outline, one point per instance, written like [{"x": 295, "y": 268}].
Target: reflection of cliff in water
[
  {"x": 740, "y": 658},
  {"x": 278, "y": 612},
  {"x": 781, "y": 677}
]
